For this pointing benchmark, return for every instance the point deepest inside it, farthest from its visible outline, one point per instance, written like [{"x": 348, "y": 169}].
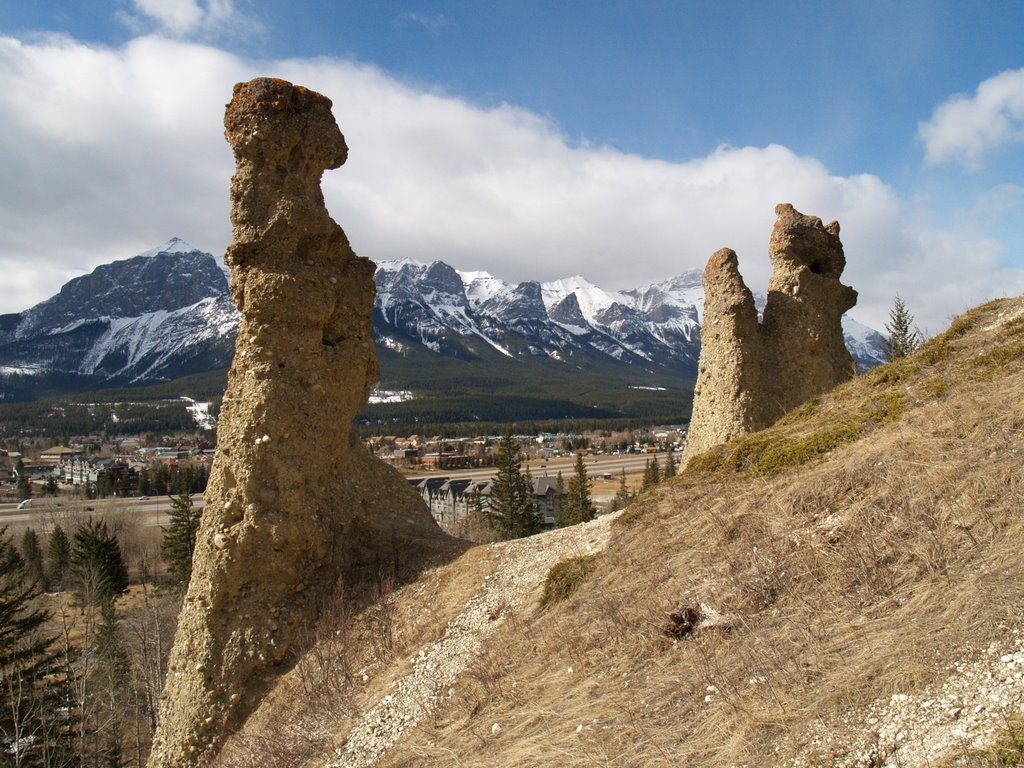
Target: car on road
[{"x": 25, "y": 504}]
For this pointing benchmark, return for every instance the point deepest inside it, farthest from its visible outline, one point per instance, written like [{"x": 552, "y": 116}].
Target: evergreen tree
[
  {"x": 144, "y": 484},
  {"x": 560, "y": 501},
  {"x": 670, "y": 466},
  {"x": 104, "y": 485},
  {"x": 33, "y": 689},
  {"x": 97, "y": 567},
  {"x": 512, "y": 511},
  {"x": 33, "y": 556},
  {"x": 158, "y": 479},
  {"x": 24, "y": 481},
  {"x": 579, "y": 506},
  {"x": 179, "y": 538},
  {"x": 111, "y": 679},
  {"x": 532, "y": 519},
  {"x": 58, "y": 558},
  {"x": 652, "y": 474},
  {"x": 622, "y": 496},
  {"x": 903, "y": 338}
]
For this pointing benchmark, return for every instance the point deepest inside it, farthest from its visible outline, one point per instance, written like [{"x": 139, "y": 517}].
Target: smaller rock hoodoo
[{"x": 751, "y": 372}]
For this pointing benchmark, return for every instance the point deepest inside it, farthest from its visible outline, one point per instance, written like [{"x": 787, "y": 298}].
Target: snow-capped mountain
[
  {"x": 158, "y": 315},
  {"x": 563, "y": 319},
  {"x": 166, "y": 313},
  {"x": 866, "y": 345}
]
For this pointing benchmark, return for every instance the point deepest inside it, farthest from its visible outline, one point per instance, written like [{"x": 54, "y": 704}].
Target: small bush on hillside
[
  {"x": 565, "y": 577},
  {"x": 1008, "y": 750}
]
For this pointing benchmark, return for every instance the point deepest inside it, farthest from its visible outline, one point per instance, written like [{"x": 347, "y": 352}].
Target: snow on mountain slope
[
  {"x": 866, "y": 345},
  {"x": 167, "y": 312},
  {"x": 174, "y": 245},
  {"x": 481, "y": 286},
  {"x": 590, "y": 298},
  {"x": 153, "y": 316},
  {"x": 141, "y": 348}
]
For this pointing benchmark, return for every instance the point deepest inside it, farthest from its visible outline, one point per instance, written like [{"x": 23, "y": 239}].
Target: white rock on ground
[{"x": 523, "y": 567}]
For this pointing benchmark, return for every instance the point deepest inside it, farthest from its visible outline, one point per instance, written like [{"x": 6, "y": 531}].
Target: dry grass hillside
[{"x": 845, "y": 588}]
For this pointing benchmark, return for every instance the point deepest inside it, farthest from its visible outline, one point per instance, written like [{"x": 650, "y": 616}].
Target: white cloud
[
  {"x": 115, "y": 150},
  {"x": 187, "y": 18},
  {"x": 963, "y": 129},
  {"x": 432, "y": 22},
  {"x": 176, "y": 16}
]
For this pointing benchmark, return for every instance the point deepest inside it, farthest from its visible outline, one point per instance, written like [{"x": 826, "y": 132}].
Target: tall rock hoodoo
[
  {"x": 294, "y": 503},
  {"x": 751, "y": 372}
]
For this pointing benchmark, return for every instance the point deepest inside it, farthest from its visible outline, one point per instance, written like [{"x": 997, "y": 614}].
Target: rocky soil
[
  {"x": 514, "y": 583},
  {"x": 960, "y": 716}
]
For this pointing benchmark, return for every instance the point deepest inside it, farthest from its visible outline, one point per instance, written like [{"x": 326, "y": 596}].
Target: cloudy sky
[{"x": 624, "y": 141}]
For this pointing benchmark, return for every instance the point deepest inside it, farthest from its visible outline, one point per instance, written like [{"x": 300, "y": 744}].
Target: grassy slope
[{"x": 858, "y": 548}]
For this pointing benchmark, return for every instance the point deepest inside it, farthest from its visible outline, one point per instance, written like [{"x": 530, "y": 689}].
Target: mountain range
[{"x": 166, "y": 313}]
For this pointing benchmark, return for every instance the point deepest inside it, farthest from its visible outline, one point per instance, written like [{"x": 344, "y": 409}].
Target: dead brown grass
[
  {"x": 854, "y": 550},
  {"x": 356, "y": 657}
]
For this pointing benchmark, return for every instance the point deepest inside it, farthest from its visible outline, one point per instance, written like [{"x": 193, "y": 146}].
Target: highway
[
  {"x": 633, "y": 463},
  {"x": 153, "y": 511}
]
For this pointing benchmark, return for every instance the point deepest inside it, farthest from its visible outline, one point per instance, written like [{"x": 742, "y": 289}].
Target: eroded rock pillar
[
  {"x": 294, "y": 500},
  {"x": 751, "y": 372}
]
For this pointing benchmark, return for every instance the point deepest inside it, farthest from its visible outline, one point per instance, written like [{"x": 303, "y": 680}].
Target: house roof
[
  {"x": 544, "y": 485},
  {"x": 59, "y": 450},
  {"x": 455, "y": 487}
]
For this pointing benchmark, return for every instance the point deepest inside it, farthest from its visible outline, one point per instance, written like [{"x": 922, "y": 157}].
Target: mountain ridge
[{"x": 166, "y": 313}]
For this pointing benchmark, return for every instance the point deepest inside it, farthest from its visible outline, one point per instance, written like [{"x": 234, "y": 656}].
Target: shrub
[{"x": 565, "y": 577}]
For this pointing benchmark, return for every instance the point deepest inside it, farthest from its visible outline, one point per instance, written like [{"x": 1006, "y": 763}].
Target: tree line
[{"x": 81, "y": 671}]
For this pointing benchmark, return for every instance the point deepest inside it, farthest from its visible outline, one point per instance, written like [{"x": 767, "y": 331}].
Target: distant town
[{"x": 449, "y": 473}]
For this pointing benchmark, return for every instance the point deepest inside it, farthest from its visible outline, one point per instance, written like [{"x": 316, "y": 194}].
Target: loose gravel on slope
[
  {"x": 522, "y": 569},
  {"x": 915, "y": 730}
]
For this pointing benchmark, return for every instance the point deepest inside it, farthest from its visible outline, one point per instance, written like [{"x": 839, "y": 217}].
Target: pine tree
[
  {"x": 560, "y": 502},
  {"x": 58, "y": 558},
  {"x": 104, "y": 485},
  {"x": 33, "y": 688},
  {"x": 579, "y": 507},
  {"x": 670, "y": 466},
  {"x": 652, "y": 474},
  {"x": 512, "y": 511},
  {"x": 97, "y": 567},
  {"x": 111, "y": 679},
  {"x": 622, "y": 496},
  {"x": 531, "y": 519},
  {"x": 24, "y": 481},
  {"x": 179, "y": 538},
  {"x": 903, "y": 339},
  {"x": 33, "y": 556},
  {"x": 158, "y": 479},
  {"x": 144, "y": 484}
]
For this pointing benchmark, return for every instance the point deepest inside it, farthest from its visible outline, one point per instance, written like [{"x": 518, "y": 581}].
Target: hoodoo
[
  {"x": 294, "y": 502},
  {"x": 751, "y": 372}
]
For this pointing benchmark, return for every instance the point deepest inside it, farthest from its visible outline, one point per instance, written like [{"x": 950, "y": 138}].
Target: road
[
  {"x": 596, "y": 465},
  {"x": 152, "y": 511}
]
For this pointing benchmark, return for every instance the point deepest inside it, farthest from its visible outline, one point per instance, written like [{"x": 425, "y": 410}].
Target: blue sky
[{"x": 622, "y": 141}]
